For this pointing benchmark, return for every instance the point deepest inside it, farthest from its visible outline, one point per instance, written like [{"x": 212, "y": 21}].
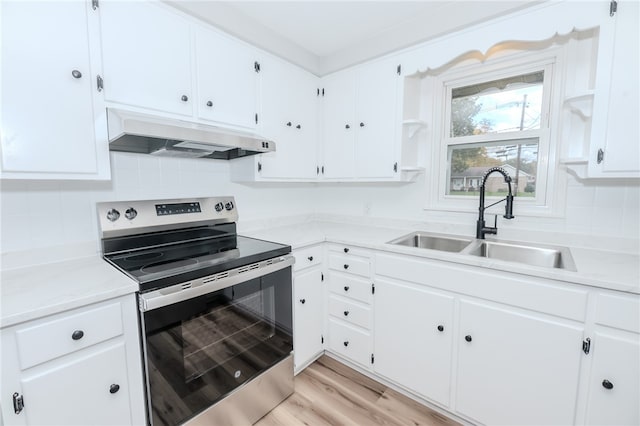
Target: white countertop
[
  {"x": 32, "y": 292},
  {"x": 36, "y": 291},
  {"x": 597, "y": 268}
]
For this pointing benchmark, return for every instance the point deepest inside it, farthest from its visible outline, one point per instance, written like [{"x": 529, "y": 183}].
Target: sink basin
[
  {"x": 545, "y": 256},
  {"x": 432, "y": 242}
]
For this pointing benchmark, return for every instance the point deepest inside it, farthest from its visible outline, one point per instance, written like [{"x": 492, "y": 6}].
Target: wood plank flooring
[{"x": 330, "y": 393}]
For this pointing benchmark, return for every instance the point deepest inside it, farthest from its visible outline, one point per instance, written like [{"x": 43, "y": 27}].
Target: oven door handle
[{"x": 181, "y": 292}]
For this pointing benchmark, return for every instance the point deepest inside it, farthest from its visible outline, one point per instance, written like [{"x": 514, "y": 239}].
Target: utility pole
[{"x": 524, "y": 105}]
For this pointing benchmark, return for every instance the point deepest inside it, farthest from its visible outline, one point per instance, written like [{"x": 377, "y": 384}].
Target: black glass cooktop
[{"x": 177, "y": 263}]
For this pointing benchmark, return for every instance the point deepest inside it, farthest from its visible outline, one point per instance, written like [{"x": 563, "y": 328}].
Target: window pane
[
  {"x": 469, "y": 162},
  {"x": 506, "y": 105}
]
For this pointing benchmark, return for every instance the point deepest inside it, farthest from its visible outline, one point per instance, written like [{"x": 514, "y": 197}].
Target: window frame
[{"x": 549, "y": 188}]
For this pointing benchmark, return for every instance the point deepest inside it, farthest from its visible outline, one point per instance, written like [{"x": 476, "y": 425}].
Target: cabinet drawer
[
  {"x": 620, "y": 311},
  {"x": 350, "y": 312},
  {"x": 349, "y": 286},
  {"x": 350, "y": 264},
  {"x": 307, "y": 257},
  {"x": 69, "y": 333},
  {"x": 350, "y": 343}
]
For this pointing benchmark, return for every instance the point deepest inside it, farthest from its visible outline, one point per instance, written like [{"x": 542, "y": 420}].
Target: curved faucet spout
[{"x": 481, "y": 229}]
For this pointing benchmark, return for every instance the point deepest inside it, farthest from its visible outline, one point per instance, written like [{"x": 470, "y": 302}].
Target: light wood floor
[{"x": 330, "y": 393}]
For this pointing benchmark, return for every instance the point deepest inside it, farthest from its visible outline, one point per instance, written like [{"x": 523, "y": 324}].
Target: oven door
[{"x": 201, "y": 349}]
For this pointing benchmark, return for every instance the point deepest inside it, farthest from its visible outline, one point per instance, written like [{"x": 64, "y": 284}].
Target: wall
[
  {"x": 44, "y": 214},
  {"x": 47, "y": 213},
  {"x": 607, "y": 210}
]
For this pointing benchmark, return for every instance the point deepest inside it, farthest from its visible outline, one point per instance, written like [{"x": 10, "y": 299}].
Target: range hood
[{"x": 148, "y": 134}]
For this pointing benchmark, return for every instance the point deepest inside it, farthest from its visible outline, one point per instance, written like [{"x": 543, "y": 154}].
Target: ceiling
[{"x": 325, "y": 36}]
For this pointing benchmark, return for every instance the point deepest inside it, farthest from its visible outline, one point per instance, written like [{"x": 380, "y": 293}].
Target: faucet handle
[
  {"x": 495, "y": 221},
  {"x": 508, "y": 208}
]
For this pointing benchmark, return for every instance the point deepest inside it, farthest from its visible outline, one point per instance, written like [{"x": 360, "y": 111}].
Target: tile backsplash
[{"x": 40, "y": 214}]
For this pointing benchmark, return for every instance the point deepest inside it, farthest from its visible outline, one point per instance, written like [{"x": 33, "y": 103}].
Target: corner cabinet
[
  {"x": 289, "y": 116},
  {"x": 308, "y": 306},
  {"x": 53, "y": 118},
  {"x": 75, "y": 368},
  {"x": 361, "y": 122}
]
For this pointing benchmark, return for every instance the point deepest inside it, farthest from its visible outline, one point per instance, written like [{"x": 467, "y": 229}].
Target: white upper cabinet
[
  {"x": 376, "y": 121},
  {"x": 614, "y": 148},
  {"x": 360, "y": 122},
  {"x": 147, "y": 56},
  {"x": 157, "y": 59},
  {"x": 289, "y": 116},
  {"x": 53, "y": 119},
  {"x": 339, "y": 117},
  {"x": 227, "y": 79}
]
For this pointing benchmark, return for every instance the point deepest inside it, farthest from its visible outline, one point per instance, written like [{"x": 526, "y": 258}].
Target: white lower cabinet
[
  {"x": 308, "y": 302},
  {"x": 614, "y": 381},
  {"x": 74, "y": 368},
  {"x": 614, "y": 386},
  {"x": 488, "y": 346},
  {"x": 308, "y": 306},
  {"x": 413, "y": 338},
  {"x": 350, "y": 311},
  {"x": 516, "y": 367}
]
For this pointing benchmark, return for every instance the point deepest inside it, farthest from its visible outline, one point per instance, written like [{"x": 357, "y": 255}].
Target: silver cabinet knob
[{"x": 76, "y": 74}]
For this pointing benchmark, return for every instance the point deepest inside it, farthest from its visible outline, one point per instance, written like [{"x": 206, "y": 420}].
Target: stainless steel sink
[
  {"x": 534, "y": 255},
  {"x": 432, "y": 242}
]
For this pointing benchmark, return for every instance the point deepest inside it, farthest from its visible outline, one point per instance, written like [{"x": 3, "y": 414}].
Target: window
[
  {"x": 495, "y": 115},
  {"x": 500, "y": 108}
]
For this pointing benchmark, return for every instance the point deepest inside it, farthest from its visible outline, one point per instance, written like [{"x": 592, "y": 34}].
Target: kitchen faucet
[{"x": 481, "y": 229}]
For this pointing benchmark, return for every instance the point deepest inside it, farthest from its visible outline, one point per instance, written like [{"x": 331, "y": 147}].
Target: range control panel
[
  {"x": 118, "y": 218},
  {"x": 177, "y": 208}
]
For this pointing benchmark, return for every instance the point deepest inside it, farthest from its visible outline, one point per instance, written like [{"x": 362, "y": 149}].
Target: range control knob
[
  {"x": 113, "y": 215},
  {"x": 219, "y": 207},
  {"x": 131, "y": 213},
  {"x": 229, "y": 205}
]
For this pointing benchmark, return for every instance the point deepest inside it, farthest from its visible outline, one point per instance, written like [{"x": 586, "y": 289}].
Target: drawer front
[
  {"x": 350, "y": 312},
  {"x": 307, "y": 257},
  {"x": 67, "y": 334},
  {"x": 350, "y": 286},
  {"x": 350, "y": 264},
  {"x": 350, "y": 343},
  {"x": 619, "y": 311}
]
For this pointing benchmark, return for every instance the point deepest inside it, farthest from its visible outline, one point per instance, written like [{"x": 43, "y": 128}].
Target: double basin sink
[{"x": 523, "y": 253}]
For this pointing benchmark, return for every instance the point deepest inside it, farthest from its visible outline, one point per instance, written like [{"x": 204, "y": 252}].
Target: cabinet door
[
  {"x": 289, "y": 117},
  {"x": 147, "y": 56},
  {"x": 51, "y": 127},
  {"x": 307, "y": 331},
  {"x": 516, "y": 368},
  {"x": 413, "y": 338},
  {"x": 376, "y": 123},
  {"x": 617, "y": 129},
  {"x": 339, "y": 125},
  {"x": 227, "y": 79},
  {"x": 63, "y": 395},
  {"x": 614, "y": 386}
]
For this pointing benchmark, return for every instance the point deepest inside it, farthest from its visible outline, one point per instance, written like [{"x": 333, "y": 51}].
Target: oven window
[{"x": 200, "y": 350}]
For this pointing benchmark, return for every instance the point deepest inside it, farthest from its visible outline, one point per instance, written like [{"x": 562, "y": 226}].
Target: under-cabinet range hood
[{"x": 148, "y": 134}]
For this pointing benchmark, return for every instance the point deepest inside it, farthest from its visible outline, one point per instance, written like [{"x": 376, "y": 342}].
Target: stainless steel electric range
[{"x": 215, "y": 308}]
